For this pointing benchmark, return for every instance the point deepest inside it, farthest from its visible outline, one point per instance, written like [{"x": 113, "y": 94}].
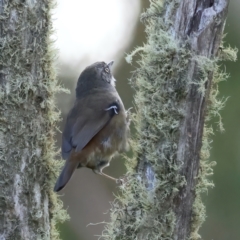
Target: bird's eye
[{"x": 106, "y": 70}]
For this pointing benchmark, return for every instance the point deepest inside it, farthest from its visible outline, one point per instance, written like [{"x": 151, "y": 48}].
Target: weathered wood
[
  {"x": 201, "y": 23},
  {"x": 173, "y": 89}
]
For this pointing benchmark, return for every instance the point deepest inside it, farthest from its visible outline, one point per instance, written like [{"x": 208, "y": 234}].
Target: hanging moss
[{"x": 144, "y": 210}]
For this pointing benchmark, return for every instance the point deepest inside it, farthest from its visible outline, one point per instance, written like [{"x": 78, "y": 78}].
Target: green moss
[
  {"x": 144, "y": 210},
  {"x": 214, "y": 106},
  {"x": 28, "y": 119},
  {"x": 57, "y": 213},
  {"x": 160, "y": 84}
]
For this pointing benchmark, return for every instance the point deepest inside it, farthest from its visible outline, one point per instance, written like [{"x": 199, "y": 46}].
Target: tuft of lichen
[
  {"x": 144, "y": 209},
  {"x": 214, "y": 106},
  {"x": 28, "y": 118}
]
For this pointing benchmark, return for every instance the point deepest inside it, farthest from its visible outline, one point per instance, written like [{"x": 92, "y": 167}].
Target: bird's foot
[{"x": 120, "y": 181}]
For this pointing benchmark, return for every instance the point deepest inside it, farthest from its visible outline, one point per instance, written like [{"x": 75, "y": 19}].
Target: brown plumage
[{"x": 97, "y": 126}]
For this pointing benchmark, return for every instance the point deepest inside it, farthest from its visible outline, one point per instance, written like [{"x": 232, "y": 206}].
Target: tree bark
[
  {"x": 176, "y": 89},
  {"x": 28, "y": 207}
]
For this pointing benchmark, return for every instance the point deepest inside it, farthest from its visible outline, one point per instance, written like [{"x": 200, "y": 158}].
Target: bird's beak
[{"x": 110, "y": 64}]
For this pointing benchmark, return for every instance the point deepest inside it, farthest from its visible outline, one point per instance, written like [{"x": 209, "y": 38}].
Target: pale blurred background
[{"x": 93, "y": 30}]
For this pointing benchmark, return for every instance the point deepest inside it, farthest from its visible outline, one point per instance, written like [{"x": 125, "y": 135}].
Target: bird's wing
[{"x": 85, "y": 120}]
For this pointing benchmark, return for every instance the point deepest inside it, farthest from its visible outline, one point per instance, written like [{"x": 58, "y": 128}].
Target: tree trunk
[
  {"x": 176, "y": 89},
  {"x": 28, "y": 207}
]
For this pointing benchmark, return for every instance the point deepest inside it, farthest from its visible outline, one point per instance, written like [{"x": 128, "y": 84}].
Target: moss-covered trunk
[
  {"x": 176, "y": 89},
  {"x": 28, "y": 207}
]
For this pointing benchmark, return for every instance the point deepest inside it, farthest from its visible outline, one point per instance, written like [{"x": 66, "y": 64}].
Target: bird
[{"x": 97, "y": 126}]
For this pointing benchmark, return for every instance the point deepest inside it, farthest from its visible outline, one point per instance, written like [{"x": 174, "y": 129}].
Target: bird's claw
[{"x": 120, "y": 181}]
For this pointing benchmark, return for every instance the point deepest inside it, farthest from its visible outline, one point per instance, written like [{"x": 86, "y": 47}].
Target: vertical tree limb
[
  {"x": 176, "y": 89},
  {"x": 28, "y": 208}
]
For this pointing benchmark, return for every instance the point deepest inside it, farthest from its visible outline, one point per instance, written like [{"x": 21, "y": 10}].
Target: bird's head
[{"x": 97, "y": 75}]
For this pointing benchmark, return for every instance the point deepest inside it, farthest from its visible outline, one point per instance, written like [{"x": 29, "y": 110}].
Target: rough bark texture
[
  {"x": 28, "y": 208},
  {"x": 176, "y": 89},
  {"x": 203, "y": 23}
]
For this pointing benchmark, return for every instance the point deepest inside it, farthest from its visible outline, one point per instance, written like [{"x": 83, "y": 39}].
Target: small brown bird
[{"x": 97, "y": 126}]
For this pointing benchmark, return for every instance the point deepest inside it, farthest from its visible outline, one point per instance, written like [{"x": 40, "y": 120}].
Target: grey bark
[
  {"x": 27, "y": 120},
  {"x": 174, "y": 92},
  {"x": 202, "y": 23}
]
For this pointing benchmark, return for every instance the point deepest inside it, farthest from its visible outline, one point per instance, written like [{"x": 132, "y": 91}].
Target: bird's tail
[{"x": 65, "y": 175}]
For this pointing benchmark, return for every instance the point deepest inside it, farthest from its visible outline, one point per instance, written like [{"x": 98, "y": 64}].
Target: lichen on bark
[
  {"x": 28, "y": 207},
  {"x": 176, "y": 94}
]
